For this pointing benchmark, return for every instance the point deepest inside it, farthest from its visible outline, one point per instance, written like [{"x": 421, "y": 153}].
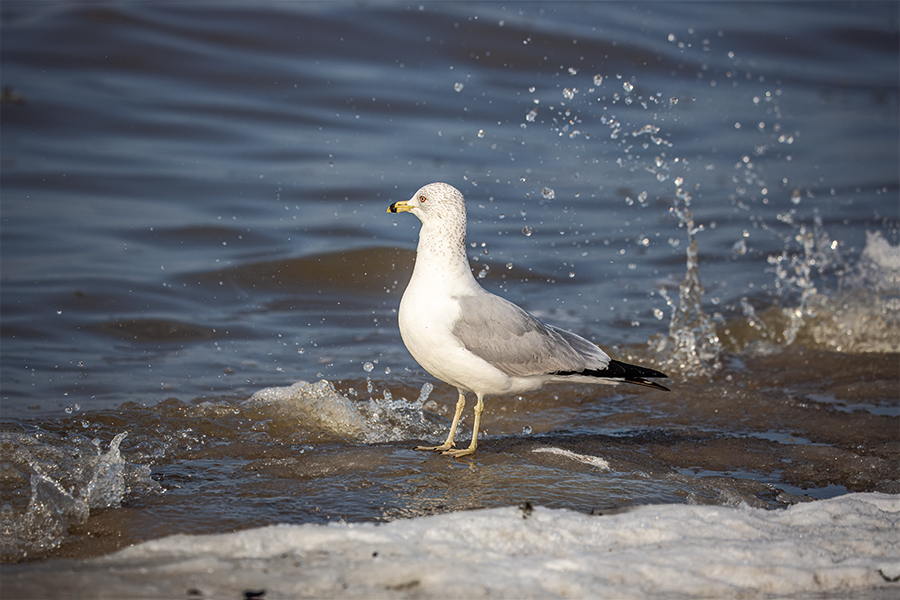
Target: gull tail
[{"x": 623, "y": 372}]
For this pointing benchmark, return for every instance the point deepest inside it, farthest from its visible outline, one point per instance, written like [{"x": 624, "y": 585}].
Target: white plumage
[{"x": 475, "y": 340}]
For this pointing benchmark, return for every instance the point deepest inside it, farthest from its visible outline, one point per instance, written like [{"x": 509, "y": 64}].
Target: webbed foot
[{"x": 460, "y": 452}]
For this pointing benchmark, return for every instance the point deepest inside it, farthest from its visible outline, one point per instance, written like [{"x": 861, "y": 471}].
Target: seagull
[{"x": 479, "y": 342}]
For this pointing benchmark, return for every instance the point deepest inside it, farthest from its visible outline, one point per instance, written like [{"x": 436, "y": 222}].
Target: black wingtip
[
  {"x": 637, "y": 375},
  {"x": 620, "y": 369},
  {"x": 626, "y": 373}
]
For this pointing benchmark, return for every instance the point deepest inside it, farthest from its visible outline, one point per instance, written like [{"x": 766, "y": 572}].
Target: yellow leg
[
  {"x": 479, "y": 407},
  {"x": 460, "y": 405}
]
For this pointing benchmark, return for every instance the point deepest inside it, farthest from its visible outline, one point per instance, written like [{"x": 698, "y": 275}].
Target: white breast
[{"x": 426, "y": 327}]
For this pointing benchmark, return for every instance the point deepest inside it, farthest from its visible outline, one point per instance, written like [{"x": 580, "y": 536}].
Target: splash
[
  {"x": 68, "y": 477},
  {"x": 861, "y": 316},
  {"x": 878, "y": 268},
  {"x": 321, "y": 411},
  {"x": 692, "y": 347},
  {"x": 822, "y": 300}
]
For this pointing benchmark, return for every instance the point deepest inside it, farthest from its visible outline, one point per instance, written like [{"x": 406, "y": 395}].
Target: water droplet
[
  {"x": 531, "y": 115},
  {"x": 509, "y": 266},
  {"x": 548, "y": 193},
  {"x": 387, "y": 370},
  {"x": 568, "y": 94},
  {"x": 427, "y": 388},
  {"x": 481, "y": 133},
  {"x": 482, "y": 273},
  {"x": 527, "y": 230},
  {"x": 795, "y": 198},
  {"x": 739, "y": 248},
  {"x": 627, "y": 86},
  {"x": 573, "y": 71},
  {"x": 658, "y": 314},
  {"x": 367, "y": 367},
  {"x": 458, "y": 86},
  {"x": 598, "y": 79},
  {"x": 673, "y": 100},
  {"x": 526, "y": 430},
  {"x": 531, "y": 90},
  {"x": 571, "y": 274}
]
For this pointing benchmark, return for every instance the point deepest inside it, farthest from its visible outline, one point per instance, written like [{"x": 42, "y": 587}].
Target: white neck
[{"x": 433, "y": 258}]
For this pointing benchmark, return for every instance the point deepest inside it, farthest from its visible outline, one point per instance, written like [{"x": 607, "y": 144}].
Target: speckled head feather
[
  {"x": 439, "y": 201},
  {"x": 442, "y": 210}
]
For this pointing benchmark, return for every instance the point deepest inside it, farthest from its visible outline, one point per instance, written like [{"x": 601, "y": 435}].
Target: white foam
[
  {"x": 594, "y": 461},
  {"x": 843, "y": 545},
  {"x": 881, "y": 252}
]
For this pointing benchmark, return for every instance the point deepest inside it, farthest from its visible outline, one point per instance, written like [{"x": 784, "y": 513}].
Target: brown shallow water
[{"x": 776, "y": 430}]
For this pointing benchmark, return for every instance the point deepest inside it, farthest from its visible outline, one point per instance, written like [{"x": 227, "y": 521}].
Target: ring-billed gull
[{"x": 479, "y": 342}]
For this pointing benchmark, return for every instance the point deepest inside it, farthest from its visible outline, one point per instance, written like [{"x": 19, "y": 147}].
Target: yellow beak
[{"x": 400, "y": 206}]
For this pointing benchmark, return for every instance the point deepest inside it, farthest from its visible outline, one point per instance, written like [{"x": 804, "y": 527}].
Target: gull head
[{"x": 433, "y": 203}]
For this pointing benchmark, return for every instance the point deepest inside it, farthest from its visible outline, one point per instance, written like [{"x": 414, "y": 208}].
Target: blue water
[{"x": 194, "y": 194}]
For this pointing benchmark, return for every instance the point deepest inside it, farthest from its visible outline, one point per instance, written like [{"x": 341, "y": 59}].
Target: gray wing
[{"x": 517, "y": 344}]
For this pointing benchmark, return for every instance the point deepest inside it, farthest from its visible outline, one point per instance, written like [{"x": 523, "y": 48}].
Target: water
[{"x": 193, "y": 210}]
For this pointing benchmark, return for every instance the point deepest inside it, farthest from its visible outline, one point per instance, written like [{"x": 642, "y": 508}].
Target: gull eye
[{"x": 422, "y": 198}]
